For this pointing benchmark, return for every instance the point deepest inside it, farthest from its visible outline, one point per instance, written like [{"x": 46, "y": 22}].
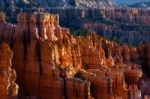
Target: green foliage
[
  {"x": 72, "y": 31},
  {"x": 130, "y": 45},
  {"x": 84, "y": 31}
]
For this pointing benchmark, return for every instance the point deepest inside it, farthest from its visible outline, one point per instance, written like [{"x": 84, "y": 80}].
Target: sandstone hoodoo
[
  {"x": 51, "y": 63},
  {"x": 8, "y": 87}
]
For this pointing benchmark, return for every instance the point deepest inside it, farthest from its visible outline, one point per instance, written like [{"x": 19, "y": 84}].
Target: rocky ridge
[
  {"x": 141, "y": 5},
  {"x": 56, "y": 3}
]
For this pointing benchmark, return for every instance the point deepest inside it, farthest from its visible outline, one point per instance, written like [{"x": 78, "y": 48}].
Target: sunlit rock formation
[
  {"x": 53, "y": 64},
  {"x": 8, "y": 87}
]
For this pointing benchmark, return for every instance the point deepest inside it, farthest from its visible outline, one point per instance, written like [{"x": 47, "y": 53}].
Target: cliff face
[{"x": 50, "y": 62}]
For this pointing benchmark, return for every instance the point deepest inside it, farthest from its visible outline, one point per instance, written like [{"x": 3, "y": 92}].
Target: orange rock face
[
  {"x": 126, "y": 53},
  {"x": 8, "y": 87},
  {"x": 53, "y": 64},
  {"x": 134, "y": 55},
  {"x": 31, "y": 70}
]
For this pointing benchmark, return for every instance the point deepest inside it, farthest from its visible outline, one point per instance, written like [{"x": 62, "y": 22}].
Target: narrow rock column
[{"x": 8, "y": 87}]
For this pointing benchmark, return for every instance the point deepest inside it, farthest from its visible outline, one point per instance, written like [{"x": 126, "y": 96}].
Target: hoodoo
[{"x": 50, "y": 63}]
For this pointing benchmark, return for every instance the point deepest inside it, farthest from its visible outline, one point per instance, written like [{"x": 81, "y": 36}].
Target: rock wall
[{"x": 50, "y": 62}]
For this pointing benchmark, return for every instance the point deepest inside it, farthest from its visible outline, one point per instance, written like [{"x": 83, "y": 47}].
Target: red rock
[
  {"x": 118, "y": 85},
  {"x": 34, "y": 31},
  {"x": 58, "y": 33},
  {"x": 8, "y": 87},
  {"x": 146, "y": 97},
  {"x": 66, "y": 54},
  {"x": 126, "y": 55},
  {"x": 21, "y": 27},
  {"x": 48, "y": 60},
  {"x": 76, "y": 57},
  {"x": 43, "y": 20},
  {"x": 118, "y": 55},
  {"x": 134, "y": 93},
  {"x": 32, "y": 70},
  {"x": 110, "y": 61},
  {"x": 51, "y": 28},
  {"x": 67, "y": 72},
  {"x": 85, "y": 56},
  {"x": 18, "y": 61},
  {"x": 141, "y": 53},
  {"x": 102, "y": 85},
  {"x": 47, "y": 57},
  {"x": 133, "y": 76},
  {"x": 77, "y": 89},
  {"x": 70, "y": 89},
  {"x": 134, "y": 55},
  {"x": 89, "y": 76},
  {"x": 82, "y": 89},
  {"x": 53, "y": 88}
]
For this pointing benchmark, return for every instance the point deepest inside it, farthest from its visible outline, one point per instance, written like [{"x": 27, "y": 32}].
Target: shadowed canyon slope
[
  {"x": 53, "y": 64},
  {"x": 142, "y": 5},
  {"x": 101, "y": 16},
  {"x": 57, "y": 3}
]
